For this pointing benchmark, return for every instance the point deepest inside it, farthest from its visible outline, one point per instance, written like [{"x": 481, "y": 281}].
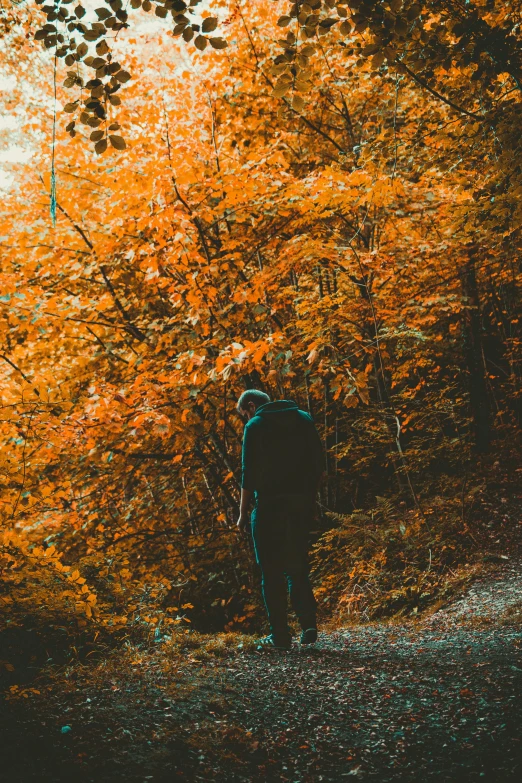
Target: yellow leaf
[{"x": 280, "y": 90}]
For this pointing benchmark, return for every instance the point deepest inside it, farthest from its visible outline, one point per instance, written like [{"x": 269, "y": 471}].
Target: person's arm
[
  {"x": 247, "y": 477},
  {"x": 246, "y": 497}
]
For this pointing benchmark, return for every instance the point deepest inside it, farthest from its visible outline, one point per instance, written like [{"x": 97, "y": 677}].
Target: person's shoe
[
  {"x": 309, "y": 636},
  {"x": 274, "y": 643}
]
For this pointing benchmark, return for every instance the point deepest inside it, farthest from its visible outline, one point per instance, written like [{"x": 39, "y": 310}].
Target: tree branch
[{"x": 436, "y": 94}]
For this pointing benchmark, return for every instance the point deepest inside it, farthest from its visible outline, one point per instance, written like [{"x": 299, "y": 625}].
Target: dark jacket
[{"x": 282, "y": 451}]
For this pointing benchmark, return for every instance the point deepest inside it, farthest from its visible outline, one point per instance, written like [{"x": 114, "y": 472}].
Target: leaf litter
[{"x": 434, "y": 699}]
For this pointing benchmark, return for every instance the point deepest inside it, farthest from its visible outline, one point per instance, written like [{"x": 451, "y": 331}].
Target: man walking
[{"x": 282, "y": 466}]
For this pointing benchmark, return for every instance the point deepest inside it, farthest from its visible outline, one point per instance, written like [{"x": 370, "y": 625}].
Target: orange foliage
[{"x": 338, "y": 252}]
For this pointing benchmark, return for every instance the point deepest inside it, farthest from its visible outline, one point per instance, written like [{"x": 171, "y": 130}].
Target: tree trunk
[{"x": 473, "y": 355}]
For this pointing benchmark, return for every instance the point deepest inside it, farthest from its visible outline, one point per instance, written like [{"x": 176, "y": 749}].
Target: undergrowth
[
  {"x": 386, "y": 561},
  {"x": 391, "y": 560}
]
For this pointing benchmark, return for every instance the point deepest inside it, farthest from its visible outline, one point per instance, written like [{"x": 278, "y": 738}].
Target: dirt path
[{"x": 438, "y": 700}]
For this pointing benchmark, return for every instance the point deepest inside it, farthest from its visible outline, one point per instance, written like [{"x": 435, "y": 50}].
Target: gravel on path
[{"x": 437, "y": 699}]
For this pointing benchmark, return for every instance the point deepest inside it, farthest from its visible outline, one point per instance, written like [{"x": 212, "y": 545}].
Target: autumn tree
[{"x": 346, "y": 238}]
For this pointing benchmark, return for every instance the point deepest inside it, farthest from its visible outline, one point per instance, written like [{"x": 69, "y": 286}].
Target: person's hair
[{"x": 252, "y": 395}]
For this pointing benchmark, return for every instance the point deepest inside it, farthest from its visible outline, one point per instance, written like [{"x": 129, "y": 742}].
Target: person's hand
[{"x": 242, "y": 524}]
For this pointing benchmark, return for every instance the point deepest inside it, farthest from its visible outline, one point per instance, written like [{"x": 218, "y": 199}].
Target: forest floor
[{"x": 436, "y": 699}]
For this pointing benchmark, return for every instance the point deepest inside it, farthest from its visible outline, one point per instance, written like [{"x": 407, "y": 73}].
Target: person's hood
[
  {"x": 282, "y": 415},
  {"x": 276, "y": 408}
]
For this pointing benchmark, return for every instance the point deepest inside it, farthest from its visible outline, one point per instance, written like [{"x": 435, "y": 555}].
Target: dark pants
[{"x": 280, "y": 530}]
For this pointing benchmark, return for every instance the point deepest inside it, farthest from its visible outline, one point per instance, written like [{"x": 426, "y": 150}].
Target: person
[{"x": 282, "y": 463}]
